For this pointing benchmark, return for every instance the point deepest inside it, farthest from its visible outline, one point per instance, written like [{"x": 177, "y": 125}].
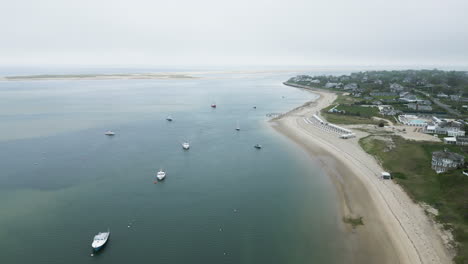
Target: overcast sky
[{"x": 235, "y": 32}]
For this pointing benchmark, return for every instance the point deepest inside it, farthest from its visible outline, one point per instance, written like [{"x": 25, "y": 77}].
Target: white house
[
  {"x": 443, "y": 161},
  {"x": 455, "y": 132},
  {"x": 450, "y": 140}
]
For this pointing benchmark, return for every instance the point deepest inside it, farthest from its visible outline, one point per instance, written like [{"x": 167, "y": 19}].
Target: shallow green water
[{"x": 223, "y": 201}]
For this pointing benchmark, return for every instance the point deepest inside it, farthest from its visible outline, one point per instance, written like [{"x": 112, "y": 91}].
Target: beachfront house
[
  {"x": 450, "y": 140},
  {"x": 395, "y": 87},
  {"x": 410, "y": 98},
  {"x": 333, "y": 85},
  {"x": 443, "y": 161},
  {"x": 462, "y": 141},
  {"x": 419, "y": 107},
  {"x": 387, "y": 110},
  {"x": 450, "y": 128},
  {"x": 430, "y": 129},
  {"x": 455, "y": 132},
  {"x": 350, "y": 86},
  {"x": 445, "y": 127}
]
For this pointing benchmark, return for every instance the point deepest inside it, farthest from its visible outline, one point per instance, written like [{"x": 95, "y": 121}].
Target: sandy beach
[{"x": 395, "y": 230}]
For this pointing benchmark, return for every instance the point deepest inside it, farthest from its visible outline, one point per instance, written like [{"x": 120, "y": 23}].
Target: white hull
[
  {"x": 161, "y": 175},
  {"x": 100, "y": 240}
]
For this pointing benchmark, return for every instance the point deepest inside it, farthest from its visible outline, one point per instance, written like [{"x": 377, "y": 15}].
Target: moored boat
[
  {"x": 100, "y": 240},
  {"x": 258, "y": 146},
  {"x": 109, "y": 133},
  {"x": 185, "y": 145},
  {"x": 169, "y": 118},
  {"x": 213, "y": 105},
  {"x": 161, "y": 175}
]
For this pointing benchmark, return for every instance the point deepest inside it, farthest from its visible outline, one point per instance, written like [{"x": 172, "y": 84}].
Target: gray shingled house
[{"x": 443, "y": 161}]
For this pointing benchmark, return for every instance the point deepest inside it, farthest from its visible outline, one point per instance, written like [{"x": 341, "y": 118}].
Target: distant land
[{"x": 117, "y": 76}]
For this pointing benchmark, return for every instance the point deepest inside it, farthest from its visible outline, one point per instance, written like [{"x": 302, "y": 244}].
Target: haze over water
[{"x": 223, "y": 201}]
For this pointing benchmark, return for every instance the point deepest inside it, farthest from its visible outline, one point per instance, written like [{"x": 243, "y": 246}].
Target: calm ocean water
[{"x": 62, "y": 180}]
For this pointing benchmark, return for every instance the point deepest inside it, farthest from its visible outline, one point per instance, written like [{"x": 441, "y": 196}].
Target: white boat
[
  {"x": 109, "y": 133},
  {"x": 185, "y": 145},
  {"x": 161, "y": 175},
  {"x": 238, "y": 127},
  {"x": 100, "y": 240},
  {"x": 258, "y": 146},
  {"x": 213, "y": 105},
  {"x": 169, "y": 118}
]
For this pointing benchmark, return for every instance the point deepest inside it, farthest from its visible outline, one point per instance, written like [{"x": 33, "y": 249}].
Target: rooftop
[{"x": 447, "y": 155}]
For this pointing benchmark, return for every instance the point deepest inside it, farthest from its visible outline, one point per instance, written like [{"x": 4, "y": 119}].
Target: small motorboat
[
  {"x": 109, "y": 133},
  {"x": 169, "y": 118},
  {"x": 238, "y": 127},
  {"x": 161, "y": 175},
  {"x": 254, "y": 107},
  {"x": 258, "y": 146},
  {"x": 100, "y": 240},
  {"x": 213, "y": 105},
  {"x": 185, "y": 145}
]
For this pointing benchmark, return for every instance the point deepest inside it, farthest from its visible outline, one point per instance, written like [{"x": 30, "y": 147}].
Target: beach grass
[
  {"x": 349, "y": 119},
  {"x": 353, "y": 221},
  {"x": 410, "y": 164},
  {"x": 344, "y": 99},
  {"x": 351, "y": 113}
]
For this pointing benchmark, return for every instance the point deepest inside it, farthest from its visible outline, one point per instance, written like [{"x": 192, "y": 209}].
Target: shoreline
[{"x": 395, "y": 230}]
